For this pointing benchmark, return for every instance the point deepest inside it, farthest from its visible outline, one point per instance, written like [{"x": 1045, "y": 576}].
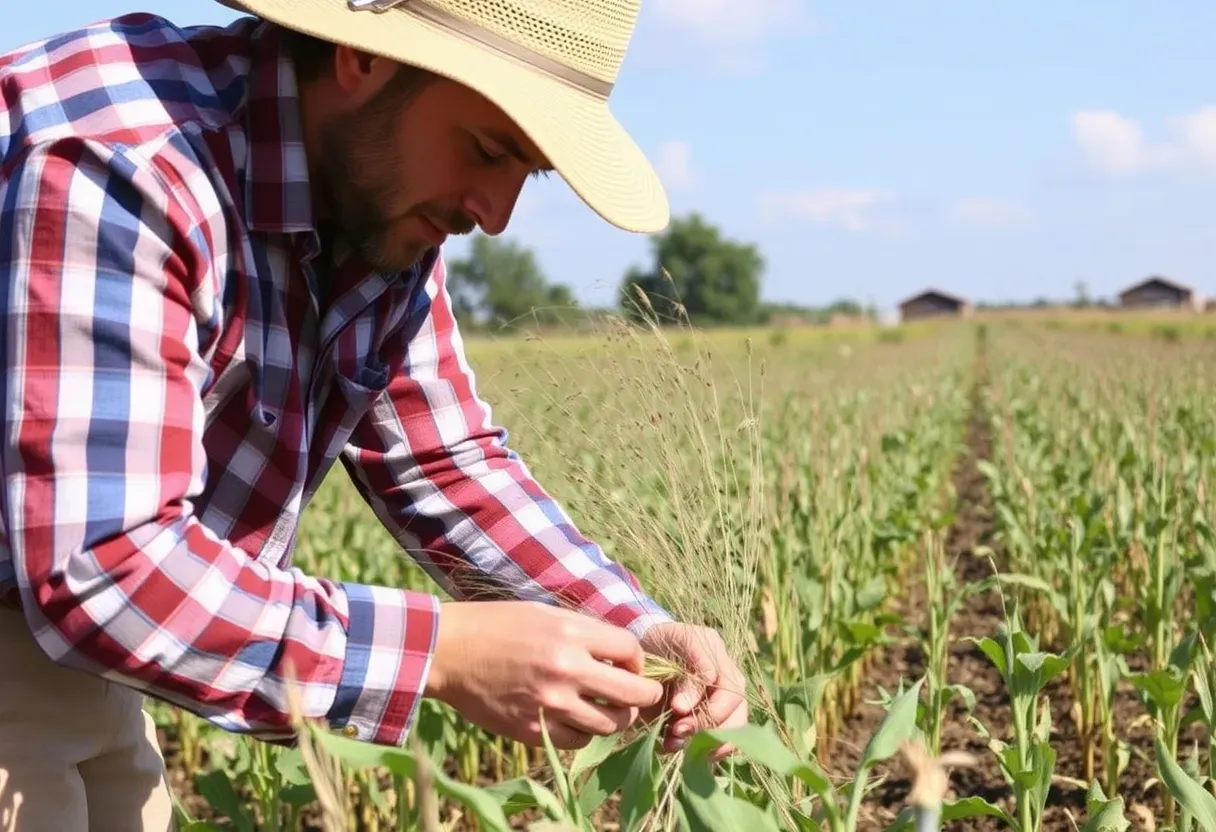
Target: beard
[{"x": 361, "y": 180}]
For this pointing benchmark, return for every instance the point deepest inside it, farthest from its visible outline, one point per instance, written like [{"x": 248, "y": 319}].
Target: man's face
[{"x": 417, "y": 161}]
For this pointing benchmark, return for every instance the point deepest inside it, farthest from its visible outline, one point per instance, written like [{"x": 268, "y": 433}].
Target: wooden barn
[
  {"x": 933, "y": 303},
  {"x": 1159, "y": 293}
]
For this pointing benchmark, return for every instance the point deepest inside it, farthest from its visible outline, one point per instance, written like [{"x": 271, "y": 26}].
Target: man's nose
[{"x": 491, "y": 208}]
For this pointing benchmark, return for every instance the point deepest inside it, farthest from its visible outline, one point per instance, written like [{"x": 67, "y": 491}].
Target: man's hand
[
  {"x": 499, "y": 662},
  {"x": 712, "y": 694}
]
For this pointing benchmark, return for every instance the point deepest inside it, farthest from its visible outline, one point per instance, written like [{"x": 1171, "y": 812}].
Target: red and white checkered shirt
[{"x": 175, "y": 391}]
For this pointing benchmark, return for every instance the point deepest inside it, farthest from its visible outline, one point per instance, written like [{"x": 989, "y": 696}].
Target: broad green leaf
[
  {"x": 216, "y": 787},
  {"x": 761, "y": 745},
  {"x": 609, "y": 776},
  {"x": 994, "y": 651},
  {"x": 290, "y": 765},
  {"x": 709, "y": 809},
  {"x": 641, "y": 782},
  {"x": 966, "y": 694},
  {"x": 897, "y": 726},
  {"x": 520, "y": 793},
  {"x": 1189, "y": 794},
  {"x": 973, "y": 807},
  {"x": 1183, "y": 654},
  {"x": 1043, "y": 763},
  {"x": 1034, "y": 670},
  {"x": 298, "y": 794},
  {"x": 872, "y": 593},
  {"x": 592, "y": 754},
  {"x": 1165, "y": 688}
]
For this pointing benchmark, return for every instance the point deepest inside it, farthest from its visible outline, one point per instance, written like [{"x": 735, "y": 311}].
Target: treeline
[{"x": 695, "y": 274}]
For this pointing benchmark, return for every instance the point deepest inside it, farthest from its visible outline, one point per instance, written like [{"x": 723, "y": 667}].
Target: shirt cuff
[{"x": 390, "y": 642}]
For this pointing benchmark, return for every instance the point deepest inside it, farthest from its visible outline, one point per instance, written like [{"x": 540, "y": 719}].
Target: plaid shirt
[{"x": 176, "y": 389}]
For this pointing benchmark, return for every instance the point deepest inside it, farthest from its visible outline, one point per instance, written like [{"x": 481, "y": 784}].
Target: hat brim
[{"x": 575, "y": 129}]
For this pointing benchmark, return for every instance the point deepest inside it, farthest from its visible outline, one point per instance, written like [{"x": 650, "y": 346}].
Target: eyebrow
[{"x": 513, "y": 148}]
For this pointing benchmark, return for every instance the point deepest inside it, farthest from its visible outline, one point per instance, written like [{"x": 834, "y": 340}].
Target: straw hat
[{"x": 548, "y": 64}]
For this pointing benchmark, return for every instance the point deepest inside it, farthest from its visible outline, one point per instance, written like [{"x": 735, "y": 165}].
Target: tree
[
  {"x": 714, "y": 279},
  {"x": 500, "y": 283}
]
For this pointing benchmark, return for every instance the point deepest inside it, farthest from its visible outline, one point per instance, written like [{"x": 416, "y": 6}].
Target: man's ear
[{"x": 360, "y": 75}]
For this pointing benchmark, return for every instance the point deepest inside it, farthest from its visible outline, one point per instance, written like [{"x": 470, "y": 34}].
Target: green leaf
[
  {"x": 609, "y": 776},
  {"x": 760, "y": 744},
  {"x": 298, "y": 794},
  {"x": 1193, "y": 797},
  {"x": 1043, "y": 762},
  {"x": 216, "y": 787},
  {"x": 1106, "y": 816},
  {"x": 520, "y": 793},
  {"x": 994, "y": 651},
  {"x": 973, "y": 807},
  {"x": 1165, "y": 688},
  {"x": 966, "y": 694},
  {"x": 592, "y": 754},
  {"x": 709, "y": 809},
  {"x": 872, "y": 593},
  {"x": 898, "y": 725},
  {"x": 1034, "y": 670},
  {"x": 641, "y": 782},
  {"x": 290, "y": 765}
]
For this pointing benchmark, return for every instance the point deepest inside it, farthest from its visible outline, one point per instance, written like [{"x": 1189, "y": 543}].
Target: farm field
[{"x": 988, "y": 544}]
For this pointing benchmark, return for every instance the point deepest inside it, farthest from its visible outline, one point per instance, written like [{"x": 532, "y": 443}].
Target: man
[{"x": 220, "y": 271}]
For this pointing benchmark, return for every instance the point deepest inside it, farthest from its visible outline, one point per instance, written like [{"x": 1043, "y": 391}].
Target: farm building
[
  {"x": 1158, "y": 293},
  {"x": 932, "y": 303}
]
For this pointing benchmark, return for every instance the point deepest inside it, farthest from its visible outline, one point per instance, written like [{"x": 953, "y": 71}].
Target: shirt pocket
[{"x": 361, "y": 392}]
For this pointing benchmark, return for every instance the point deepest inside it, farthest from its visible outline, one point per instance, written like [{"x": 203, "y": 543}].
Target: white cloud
[
  {"x": 853, "y": 209},
  {"x": 1197, "y": 131},
  {"x": 993, "y": 213},
  {"x": 673, "y": 166},
  {"x": 735, "y": 30},
  {"x": 1115, "y": 145}
]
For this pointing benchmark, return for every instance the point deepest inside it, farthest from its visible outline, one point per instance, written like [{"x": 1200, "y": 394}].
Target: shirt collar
[{"x": 277, "y": 194}]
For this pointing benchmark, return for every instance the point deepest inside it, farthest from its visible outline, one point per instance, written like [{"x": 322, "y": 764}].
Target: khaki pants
[{"x": 76, "y": 752}]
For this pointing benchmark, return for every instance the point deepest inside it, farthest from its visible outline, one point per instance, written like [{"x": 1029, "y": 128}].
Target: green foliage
[
  {"x": 501, "y": 284},
  {"x": 709, "y": 278}
]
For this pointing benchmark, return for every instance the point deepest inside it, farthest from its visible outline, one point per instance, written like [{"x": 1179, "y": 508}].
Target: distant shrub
[
  {"x": 890, "y": 336},
  {"x": 1170, "y": 333}
]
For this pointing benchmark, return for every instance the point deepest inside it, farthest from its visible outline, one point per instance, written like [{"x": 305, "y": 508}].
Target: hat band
[{"x": 517, "y": 51}]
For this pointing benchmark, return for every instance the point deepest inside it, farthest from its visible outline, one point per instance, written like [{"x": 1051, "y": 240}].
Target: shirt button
[{"x": 350, "y": 730}]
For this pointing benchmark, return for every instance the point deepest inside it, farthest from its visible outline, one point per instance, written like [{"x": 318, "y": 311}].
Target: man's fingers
[
  {"x": 607, "y": 642},
  {"x": 687, "y": 693},
  {"x": 599, "y": 719},
  {"x": 722, "y": 703},
  {"x": 620, "y": 687},
  {"x": 562, "y": 736}
]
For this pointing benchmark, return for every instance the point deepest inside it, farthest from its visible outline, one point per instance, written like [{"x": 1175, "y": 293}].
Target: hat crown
[{"x": 589, "y": 37}]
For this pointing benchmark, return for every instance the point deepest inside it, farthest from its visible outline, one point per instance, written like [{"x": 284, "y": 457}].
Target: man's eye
[{"x": 485, "y": 155}]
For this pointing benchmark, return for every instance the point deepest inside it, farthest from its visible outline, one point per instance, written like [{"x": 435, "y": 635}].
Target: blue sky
[{"x": 871, "y": 149}]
